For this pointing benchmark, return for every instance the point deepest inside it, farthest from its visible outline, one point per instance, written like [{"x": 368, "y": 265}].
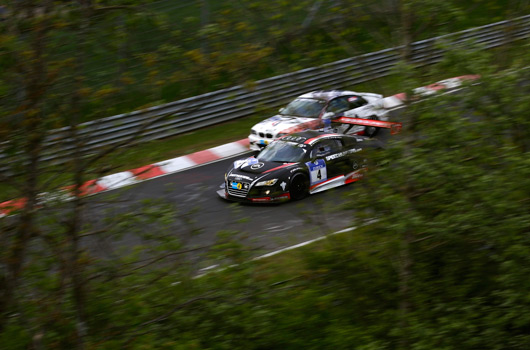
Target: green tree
[
  {"x": 49, "y": 90},
  {"x": 454, "y": 197}
]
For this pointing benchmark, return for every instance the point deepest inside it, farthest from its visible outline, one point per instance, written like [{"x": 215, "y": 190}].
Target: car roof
[
  {"x": 309, "y": 137},
  {"x": 327, "y": 95}
]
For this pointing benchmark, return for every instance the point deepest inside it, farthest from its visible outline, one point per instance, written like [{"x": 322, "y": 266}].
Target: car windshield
[
  {"x": 283, "y": 152},
  {"x": 304, "y": 107}
]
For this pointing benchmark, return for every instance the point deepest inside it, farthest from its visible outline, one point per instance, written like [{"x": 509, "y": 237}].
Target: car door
[
  {"x": 354, "y": 156},
  {"x": 327, "y": 160}
]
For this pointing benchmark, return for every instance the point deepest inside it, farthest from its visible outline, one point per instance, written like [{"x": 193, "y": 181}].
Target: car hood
[
  {"x": 286, "y": 124},
  {"x": 252, "y": 167}
]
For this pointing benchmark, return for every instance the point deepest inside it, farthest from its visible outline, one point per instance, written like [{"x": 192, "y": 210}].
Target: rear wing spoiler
[{"x": 394, "y": 127}]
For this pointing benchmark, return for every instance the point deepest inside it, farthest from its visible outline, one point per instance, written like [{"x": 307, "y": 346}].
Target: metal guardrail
[{"x": 240, "y": 101}]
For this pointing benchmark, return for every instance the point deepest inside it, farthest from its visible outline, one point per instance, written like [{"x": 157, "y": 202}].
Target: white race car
[{"x": 348, "y": 110}]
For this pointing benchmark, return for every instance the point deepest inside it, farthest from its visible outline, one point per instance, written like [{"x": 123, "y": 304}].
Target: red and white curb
[
  {"x": 399, "y": 100},
  {"x": 131, "y": 177},
  {"x": 147, "y": 172}
]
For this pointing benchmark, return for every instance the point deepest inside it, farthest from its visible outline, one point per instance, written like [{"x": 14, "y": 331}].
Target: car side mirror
[{"x": 281, "y": 110}]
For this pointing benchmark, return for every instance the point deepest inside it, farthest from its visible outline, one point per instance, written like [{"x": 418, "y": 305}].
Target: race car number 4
[{"x": 317, "y": 171}]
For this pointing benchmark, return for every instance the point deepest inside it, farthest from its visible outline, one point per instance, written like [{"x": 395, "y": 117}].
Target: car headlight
[{"x": 267, "y": 182}]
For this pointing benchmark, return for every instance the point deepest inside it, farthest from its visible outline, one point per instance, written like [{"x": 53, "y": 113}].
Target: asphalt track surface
[
  {"x": 199, "y": 216},
  {"x": 192, "y": 194},
  {"x": 260, "y": 228}
]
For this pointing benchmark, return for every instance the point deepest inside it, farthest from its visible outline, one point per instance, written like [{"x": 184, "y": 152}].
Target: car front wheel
[{"x": 299, "y": 186}]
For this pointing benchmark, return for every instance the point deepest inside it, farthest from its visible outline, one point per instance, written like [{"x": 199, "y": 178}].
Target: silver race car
[{"x": 317, "y": 109}]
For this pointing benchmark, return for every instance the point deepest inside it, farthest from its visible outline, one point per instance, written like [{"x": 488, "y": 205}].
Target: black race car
[{"x": 297, "y": 165}]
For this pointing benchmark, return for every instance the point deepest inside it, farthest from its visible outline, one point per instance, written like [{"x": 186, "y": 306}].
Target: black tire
[
  {"x": 371, "y": 131},
  {"x": 299, "y": 186}
]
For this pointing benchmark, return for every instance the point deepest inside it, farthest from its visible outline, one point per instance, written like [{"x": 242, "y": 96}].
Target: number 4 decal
[{"x": 317, "y": 171}]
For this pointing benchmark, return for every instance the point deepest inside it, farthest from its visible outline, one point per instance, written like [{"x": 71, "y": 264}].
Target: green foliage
[
  {"x": 457, "y": 199},
  {"x": 441, "y": 258},
  {"x": 197, "y": 47}
]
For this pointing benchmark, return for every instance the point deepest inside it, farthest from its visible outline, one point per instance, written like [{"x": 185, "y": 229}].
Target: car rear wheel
[
  {"x": 299, "y": 186},
  {"x": 371, "y": 131}
]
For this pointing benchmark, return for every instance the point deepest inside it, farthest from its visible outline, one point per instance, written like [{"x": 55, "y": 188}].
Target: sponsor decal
[
  {"x": 265, "y": 199},
  {"x": 342, "y": 154},
  {"x": 335, "y": 156},
  {"x": 244, "y": 162},
  {"x": 328, "y": 181},
  {"x": 282, "y": 185},
  {"x": 317, "y": 171},
  {"x": 271, "y": 199},
  {"x": 257, "y": 166},
  {"x": 239, "y": 177},
  {"x": 294, "y": 138},
  {"x": 238, "y": 185},
  {"x": 356, "y": 175}
]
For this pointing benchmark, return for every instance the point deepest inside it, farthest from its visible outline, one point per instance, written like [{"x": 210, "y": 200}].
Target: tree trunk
[
  {"x": 406, "y": 18},
  {"x": 405, "y": 276},
  {"x": 34, "y": 74}
]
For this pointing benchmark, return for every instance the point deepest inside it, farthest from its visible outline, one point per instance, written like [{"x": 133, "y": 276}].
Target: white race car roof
[{"x": 327, "y": 95}]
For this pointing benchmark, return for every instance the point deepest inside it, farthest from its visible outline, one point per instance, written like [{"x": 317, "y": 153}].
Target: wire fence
[{"x": 244, "y": 100}]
